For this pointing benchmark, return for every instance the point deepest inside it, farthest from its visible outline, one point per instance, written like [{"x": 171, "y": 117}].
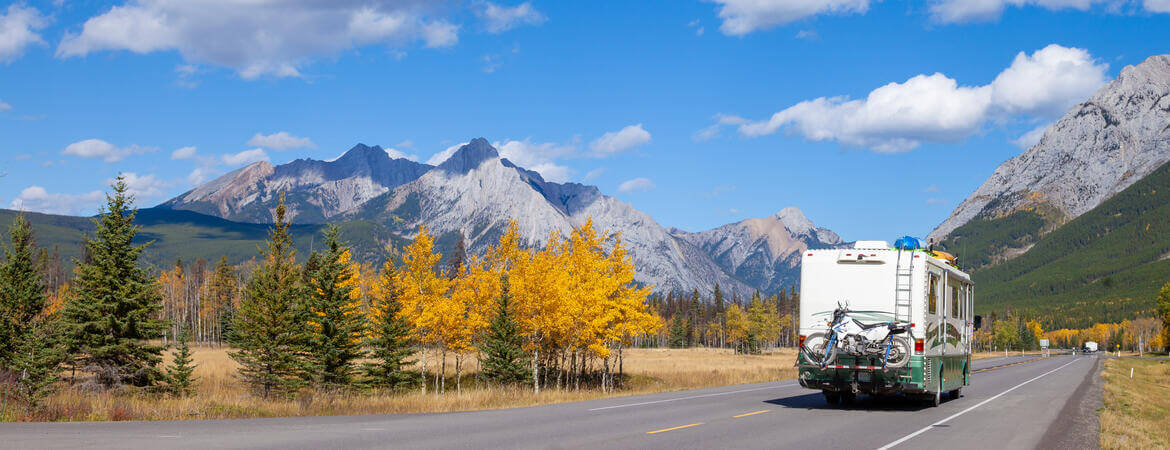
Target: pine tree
[
  {"x": 112, "y": 314},
  {"x": 37, "y": 359},
  {"x": 336, "y": 321},
  {"x": 221, "y": 295},
  {"x": 268, "y": 327},
  {"x": 505, "y": 360},
  {"x": 678, "y": 331},
  {"x": 390, "y": 343},
  {"x": 181, "y": 373}
]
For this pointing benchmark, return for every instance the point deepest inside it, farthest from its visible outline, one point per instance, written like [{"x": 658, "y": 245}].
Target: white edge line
[
  {"x": 965, "y": 411},
  {"x": 691, "y": 397}
]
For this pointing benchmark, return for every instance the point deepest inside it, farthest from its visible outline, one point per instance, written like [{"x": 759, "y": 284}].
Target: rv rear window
[
  {"x": 932, "y": 295},
  {"x": 954, "y": 299}
]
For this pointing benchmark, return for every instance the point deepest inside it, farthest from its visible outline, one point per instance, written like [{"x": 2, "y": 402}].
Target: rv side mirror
[{"x": 978, "y": 322}]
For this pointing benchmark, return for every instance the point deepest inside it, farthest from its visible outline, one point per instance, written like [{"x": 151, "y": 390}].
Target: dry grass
[
  {"x": 221, "y": 396},
  {"x": 1136, "y": 409}
]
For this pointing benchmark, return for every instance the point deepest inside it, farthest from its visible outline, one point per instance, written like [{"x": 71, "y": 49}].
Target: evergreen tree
[
  {"x": 336, "y": 321},
  {"x": 391, "y": 346},
  {"x": 1164, "y": 312},
  {"x": 505, "y": 359},
  {"x": 22, "y": 293},
  {"x": 222, "y": 294},
  {"x": 112, "y": 314},
  {"x": 678, "y": 331},
  {"x": 181, "y": 373},
  {"x": 267, "y": 327},
  {"x": 37, "y": 359}
]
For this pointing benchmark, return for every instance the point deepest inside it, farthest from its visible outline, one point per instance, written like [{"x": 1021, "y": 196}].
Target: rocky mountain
[
  {"x": 315, "y": 191},
  {"x": 763, "y": 252},
  {"x": 476, "y": 193},
  {"x": 1099, "y": 148}
]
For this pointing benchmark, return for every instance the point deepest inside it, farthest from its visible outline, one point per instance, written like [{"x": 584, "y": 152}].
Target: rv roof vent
[{"x": 882, "y": 245}]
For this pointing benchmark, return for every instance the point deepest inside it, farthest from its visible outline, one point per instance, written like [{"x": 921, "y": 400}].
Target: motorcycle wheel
[
  {"x": 899, "y": 354},
  {"x": 814, "y": 349}
]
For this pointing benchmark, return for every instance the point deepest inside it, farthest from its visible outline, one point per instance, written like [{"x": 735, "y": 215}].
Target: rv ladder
[{"x": 903, "y": 286}]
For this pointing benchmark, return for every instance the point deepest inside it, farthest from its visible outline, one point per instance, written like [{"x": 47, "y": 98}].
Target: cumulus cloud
[
  {"x": 953, "y": 11},
  {"x": 143, "y": 186},
  {"x": 4, "y": 106},
  {"x": 1157, "y": 6},
  {"x": 498, "y": 19},
  {"x": 398, "y": 154},
  {"x": 741, "y": 17},
  {"x": 636, "y": 184},
  {"x": 899, "y": 117},
  {"x": 200, "y": 174},
  {"x": 619, "y": 141},
  {"x": 97, "y": 148},
  {"x": 245, "y": 157},
  {"x": 1032, "y": 137},
  {"x": 441, "y": 156},
  {"x": 19, "y": 27},
  {"x": 36, "y": 198},
  {"x": 538, "y": 157},
  {"x": 280, "y": 141},
  {"x": 183, "y": 153},
  {"x": 259, "y": 38}
]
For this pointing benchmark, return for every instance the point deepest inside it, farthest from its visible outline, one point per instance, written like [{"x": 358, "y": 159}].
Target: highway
[{"x": 1013, "y": 402}]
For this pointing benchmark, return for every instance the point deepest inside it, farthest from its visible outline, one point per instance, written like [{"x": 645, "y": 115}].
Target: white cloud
[
  {"x": 245, "y": 157},
  {"x": 280, "y": 141},
  {"x": 143, "y": 186},
  {"x": 636, "y": 184},
  {"x": 810, "y": 35},
  {"x": 441, "y": 156},
  {"x": 593, "y": 174},
  {"x": 741, "y": 17},
  {"x": 259, "y": 38},
  {"x": 698, "y": 26},
  {"x": 931, "y": 188},
  {"x": 1048, "y": 82},
  {"x": 619, "y": 141},
  {"x": 898, "y": 117},
  {"x": 18, "y": 30},
  {"x": 36, "y": 198},
  {"x": 398, "y": 154},
  {"x": 200, "y": 174},
  {"x": 499, "y": 19},
  {"x": 97, "y": 148},
  {"x": 952, "y": 11},
  {"x": 5, "y": 106},
  {"x": 1032, "y": 137},
  {"x": 183, "y": 153},
  {"x": 538, "y": 157},
  {"x": 1157, "y": 6}
]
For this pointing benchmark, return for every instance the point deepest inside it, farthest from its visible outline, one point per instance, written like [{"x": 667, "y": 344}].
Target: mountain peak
[
  {"x": 363, "y": 151},
  {"x": 795, "y": 221},
  {"x": 470, "y": 156}
]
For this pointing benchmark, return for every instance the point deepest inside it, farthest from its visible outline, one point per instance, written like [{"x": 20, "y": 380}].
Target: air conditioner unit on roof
[{"x": 879, "y": 245}]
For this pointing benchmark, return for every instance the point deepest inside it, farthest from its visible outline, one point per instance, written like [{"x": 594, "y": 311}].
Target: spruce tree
[
  {"x": 30, "y": 347},
  {"x": 268, "y": 327},
  {"x": 181, "y": 373},
  {"x": 505, "y": 360},
  {"x": 391, "y": 345},
  {"x": 22, "y": 292},
  {"x": 112, "y": 314},
  {"x": 336, "y": 320},
  {"x": 678, "y": 331},
  {"x": 221, "y": 294}
]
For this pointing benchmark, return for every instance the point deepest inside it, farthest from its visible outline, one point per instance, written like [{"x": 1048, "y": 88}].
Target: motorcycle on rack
[{"x": 850, "y": 336}]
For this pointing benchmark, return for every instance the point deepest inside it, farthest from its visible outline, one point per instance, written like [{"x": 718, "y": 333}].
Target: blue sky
[{"x": 874, "y": 117}]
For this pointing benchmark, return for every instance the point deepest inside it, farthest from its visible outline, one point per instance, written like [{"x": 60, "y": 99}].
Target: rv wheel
[
  {"x": 955, "y": 393},
  {"x": 936, "y": 399}
]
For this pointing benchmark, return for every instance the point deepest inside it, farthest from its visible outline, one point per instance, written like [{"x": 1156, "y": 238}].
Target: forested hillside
[{"x": 1104, "y": 266}]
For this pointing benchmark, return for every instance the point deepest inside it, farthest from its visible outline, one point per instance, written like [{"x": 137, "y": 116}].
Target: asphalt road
[{"x": 1039, "y": 403}]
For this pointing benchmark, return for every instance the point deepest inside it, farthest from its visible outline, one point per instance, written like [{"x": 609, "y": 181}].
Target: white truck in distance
[{"x": 1090, "y": 347}]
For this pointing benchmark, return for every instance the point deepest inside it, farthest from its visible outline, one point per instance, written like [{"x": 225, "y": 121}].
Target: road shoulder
[{"x": 1076, "y": 426}]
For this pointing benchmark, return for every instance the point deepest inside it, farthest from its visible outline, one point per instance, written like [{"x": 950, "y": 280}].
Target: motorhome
[{"x": 908, "y": 285}]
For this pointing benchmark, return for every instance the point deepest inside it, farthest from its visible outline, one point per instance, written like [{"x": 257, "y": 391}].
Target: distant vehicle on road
[
  {"x": 908, "y": 287},
  {"x": 1089, "y": 347}
]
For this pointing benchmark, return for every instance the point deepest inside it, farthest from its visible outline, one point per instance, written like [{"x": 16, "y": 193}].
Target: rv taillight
[
  {"x": 802, "y": 341},
  {"x": 918, "y": 346}
]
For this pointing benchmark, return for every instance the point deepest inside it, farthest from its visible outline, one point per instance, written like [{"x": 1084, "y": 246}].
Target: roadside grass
[
  {"x": 220, "y": 395},
  {"x": 1136, "y": 409}
]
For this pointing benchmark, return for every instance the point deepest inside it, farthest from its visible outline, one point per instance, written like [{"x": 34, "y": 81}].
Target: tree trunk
[
  {"x": 423, "y": 372},
  {"x": 459, "y": 373},
  {"x": 443, "y": 373},
  {"x": 536, "y": 371},
  {"x": 621, "y": 372}
]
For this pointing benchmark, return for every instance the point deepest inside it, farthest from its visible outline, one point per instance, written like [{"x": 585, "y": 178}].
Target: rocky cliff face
[
  {"x": 316, "y": 190},
  {"x": 763, "y": 252},
  {"x": 476, "y": 193},
  {"x": 1096, "y": 150}
]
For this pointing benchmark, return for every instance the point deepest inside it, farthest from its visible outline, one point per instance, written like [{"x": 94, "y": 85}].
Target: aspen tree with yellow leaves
[{"x": 423, "y": 292}]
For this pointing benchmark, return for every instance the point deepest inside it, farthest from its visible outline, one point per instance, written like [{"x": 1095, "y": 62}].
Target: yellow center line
[
  {"x": 674, "y": 428},
  {"x": 751, "y": 413}
]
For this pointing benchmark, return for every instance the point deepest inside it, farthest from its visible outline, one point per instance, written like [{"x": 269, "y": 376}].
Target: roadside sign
[{"x": 1044, "y": 343}]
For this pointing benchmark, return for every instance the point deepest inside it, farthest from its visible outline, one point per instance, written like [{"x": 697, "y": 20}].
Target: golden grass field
[
  {"x": 221, "y": 396},
  {"x": 1137, "y": 410}
]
